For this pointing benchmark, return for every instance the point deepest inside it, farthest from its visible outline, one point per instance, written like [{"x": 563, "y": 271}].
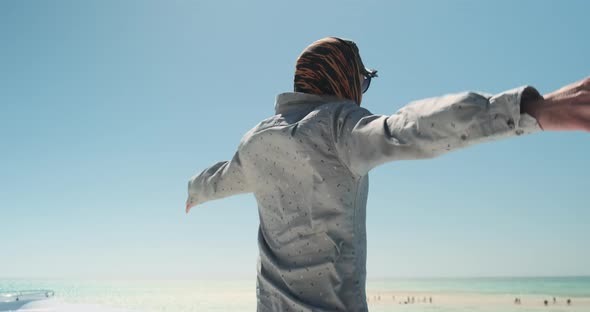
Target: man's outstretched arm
[
  {"x": 431, "y": 127},
  {"x": 223, "y": 179}
]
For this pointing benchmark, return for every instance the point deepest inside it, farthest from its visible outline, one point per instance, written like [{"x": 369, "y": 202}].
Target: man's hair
[{"x": 330, "y": 66}]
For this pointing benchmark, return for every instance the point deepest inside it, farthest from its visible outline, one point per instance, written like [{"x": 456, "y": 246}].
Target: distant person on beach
[
  {"x": 569, "y": 301},
  {"x": 308, "y": 164},
  {"x": 545, "y": 302}
]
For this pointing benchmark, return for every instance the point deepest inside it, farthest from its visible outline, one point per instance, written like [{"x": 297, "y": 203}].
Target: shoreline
[{"x": 466, "y": 300}]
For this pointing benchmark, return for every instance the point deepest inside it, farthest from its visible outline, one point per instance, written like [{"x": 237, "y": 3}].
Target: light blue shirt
[{"x": 308, "y": 168}]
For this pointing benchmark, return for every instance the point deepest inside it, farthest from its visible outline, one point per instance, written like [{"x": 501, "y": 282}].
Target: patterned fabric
[
  {"x": 331, "y": 66},
  {"x": 308, "y": 168}
]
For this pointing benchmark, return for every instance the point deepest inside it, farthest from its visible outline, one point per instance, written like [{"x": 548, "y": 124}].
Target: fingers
[
  {"x": 188, "y": 207},
  {"x": 572, "y": 88},
  {"x": 567, "y": 109},
  {"x": 582, "y": 85},
  {"x": 582, "y": 99}
]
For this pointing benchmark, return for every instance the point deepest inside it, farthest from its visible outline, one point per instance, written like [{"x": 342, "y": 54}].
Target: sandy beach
[
  {"x": 500, "y": 302},
  {"x": 448, "y": 295}
]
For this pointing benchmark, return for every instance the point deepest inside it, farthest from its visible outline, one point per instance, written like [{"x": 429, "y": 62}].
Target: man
[{"x": 308, "y": 167}]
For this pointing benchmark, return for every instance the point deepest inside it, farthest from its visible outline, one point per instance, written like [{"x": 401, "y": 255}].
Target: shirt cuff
[
  {"x": 530, "y": 94},
  {"x": 520, "y": 123}
]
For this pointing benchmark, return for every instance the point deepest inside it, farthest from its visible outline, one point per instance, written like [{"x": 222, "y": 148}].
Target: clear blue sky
[{"x": 108, "y": 107}]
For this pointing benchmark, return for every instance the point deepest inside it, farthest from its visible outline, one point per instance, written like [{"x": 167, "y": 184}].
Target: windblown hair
[{"x": 330, "y": 66}]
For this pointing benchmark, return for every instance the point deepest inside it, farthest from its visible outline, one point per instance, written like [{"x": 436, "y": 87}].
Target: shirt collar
[{"x": 297, "y": 100}]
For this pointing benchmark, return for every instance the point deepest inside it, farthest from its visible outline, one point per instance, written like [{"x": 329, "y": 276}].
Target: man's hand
[
  {"x": 565, "y": 109},
  {"x": 187, "y": 207},
  {"x": 189, "y": 204}
]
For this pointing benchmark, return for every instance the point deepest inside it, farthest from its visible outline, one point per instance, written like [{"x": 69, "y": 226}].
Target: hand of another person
[{"x": 565, "y": 109}]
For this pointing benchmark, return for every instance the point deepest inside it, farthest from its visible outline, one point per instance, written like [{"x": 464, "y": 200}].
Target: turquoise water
[
  {"x": 228, "y": 296},
  {"x": 551, "y": 286}
]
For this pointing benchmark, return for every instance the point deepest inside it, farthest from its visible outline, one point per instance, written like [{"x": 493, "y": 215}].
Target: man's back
[
  {"x": 312, "y": 238},
  {"x": 308, "y": 165}
]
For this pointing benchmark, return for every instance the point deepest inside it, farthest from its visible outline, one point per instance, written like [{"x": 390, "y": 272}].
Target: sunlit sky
[{"x": 108, "y": 107}]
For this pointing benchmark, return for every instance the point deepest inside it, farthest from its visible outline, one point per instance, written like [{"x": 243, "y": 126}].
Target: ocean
[{"x": 459, "y": 294}]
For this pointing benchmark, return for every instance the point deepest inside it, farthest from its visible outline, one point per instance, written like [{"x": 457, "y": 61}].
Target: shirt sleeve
[
  {"x": 430, "y": 127},
  {"x": 225, "y": 178}
]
